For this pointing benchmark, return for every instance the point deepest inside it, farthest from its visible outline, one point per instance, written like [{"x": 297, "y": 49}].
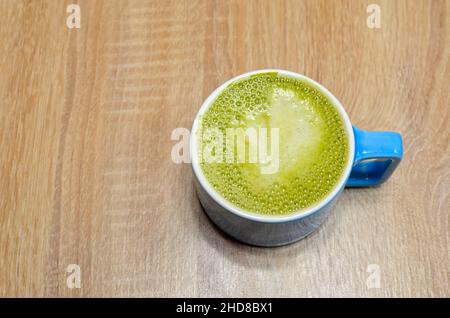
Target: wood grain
[{"x": 86, "y": 175}]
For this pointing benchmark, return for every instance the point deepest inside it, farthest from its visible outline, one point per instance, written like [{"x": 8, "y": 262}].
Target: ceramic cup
[{"x": 373, "y": 157}]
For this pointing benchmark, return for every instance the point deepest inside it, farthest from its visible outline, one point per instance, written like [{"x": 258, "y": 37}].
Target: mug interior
[{"x": 252, "y": 215}]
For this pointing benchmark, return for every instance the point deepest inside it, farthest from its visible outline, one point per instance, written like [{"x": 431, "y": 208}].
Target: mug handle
[{"x": 377, "y": 154}]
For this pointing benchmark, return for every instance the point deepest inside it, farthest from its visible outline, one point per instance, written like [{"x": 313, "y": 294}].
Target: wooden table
[{"x": 86, "y": 175}]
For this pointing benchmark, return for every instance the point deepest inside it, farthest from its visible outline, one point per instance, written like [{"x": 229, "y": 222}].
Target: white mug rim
[{"x": 260, "y": 217}]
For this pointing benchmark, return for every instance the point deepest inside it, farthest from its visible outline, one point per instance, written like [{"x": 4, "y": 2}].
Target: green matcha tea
[{"x": 311, "y": 153}]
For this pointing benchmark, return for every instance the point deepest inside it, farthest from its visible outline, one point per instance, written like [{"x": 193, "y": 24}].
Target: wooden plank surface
[{"x": 86, "y": 175}]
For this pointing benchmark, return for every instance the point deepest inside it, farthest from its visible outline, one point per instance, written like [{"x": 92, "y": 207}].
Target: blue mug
[{"x": 374, "y": 155}]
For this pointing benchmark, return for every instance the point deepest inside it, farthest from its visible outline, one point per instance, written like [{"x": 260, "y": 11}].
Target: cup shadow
[{"x": 255, "y": 256}]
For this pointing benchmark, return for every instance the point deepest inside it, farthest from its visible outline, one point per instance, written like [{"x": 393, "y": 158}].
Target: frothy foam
[{"x": 313, "y": 144}]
